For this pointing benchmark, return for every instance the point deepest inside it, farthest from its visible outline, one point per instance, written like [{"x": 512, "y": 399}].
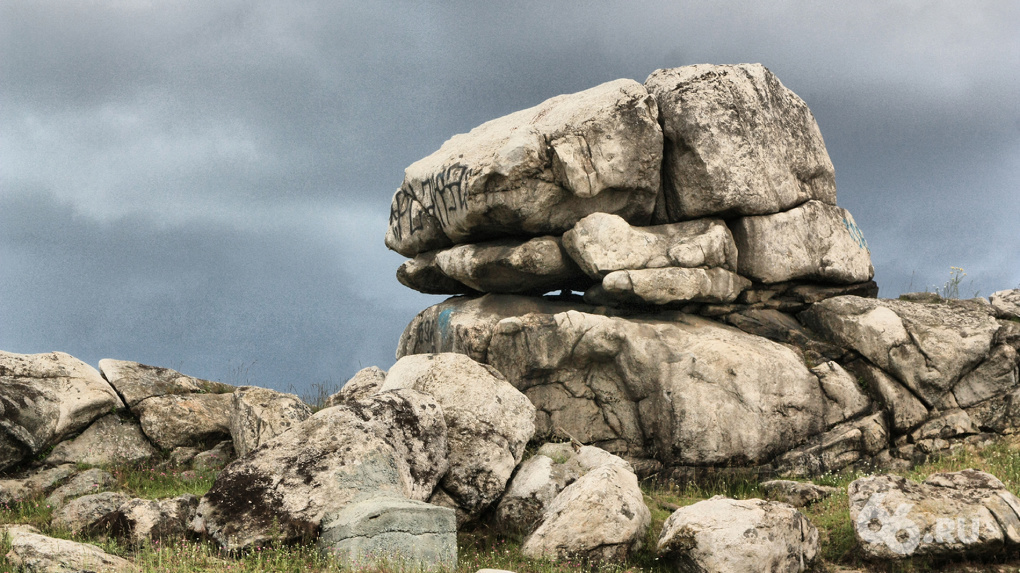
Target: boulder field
[{"x": 647, "y": 279}]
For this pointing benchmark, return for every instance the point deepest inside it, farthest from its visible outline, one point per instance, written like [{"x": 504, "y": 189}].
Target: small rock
[
  {"x": 363, "y": 384},
  {"x": 185, "y": 419},
  {"x": 220, "y": 455},
  {"x": 36, "y": 483},
  {"x": 83, "y": 513},
  {"x": 673, "y": 285},
  {"x": 109, "y": 440},
  {"x": 423, "y": 274},
  {"x": 259, "y": 414},
  {"x": 37, "y": 553},
  {"x": 796, "y": 493},
  {"x": 392, "y": 528},
  {"x": 534, "y": 266},
  {"x": 723, "y": 535},
  {"x": 89, "y": 481},
  {"x": 1006, "y": 303},
  {"x": 142, "y": 520}
]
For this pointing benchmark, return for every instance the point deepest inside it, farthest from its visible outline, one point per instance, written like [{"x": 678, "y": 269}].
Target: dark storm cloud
[{"x": 208, "y": 182}]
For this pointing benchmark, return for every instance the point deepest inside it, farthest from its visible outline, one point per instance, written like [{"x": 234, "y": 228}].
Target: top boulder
[
  {"x": 535, "y": 172},
  {"x": 737, "y": 142}
]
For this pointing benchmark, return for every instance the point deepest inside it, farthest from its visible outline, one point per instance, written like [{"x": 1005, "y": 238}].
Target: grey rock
[
  {"x": 82, "y": 513},
  {"x": 182, "y": 455},
  {"x": 1006, "y": 303},
  {"x": 673, "y": 285},
  {"x": 136, "y": 382},
  {"x": 844, "y": 399},
  {"x": 965, "y": 513},
  {"x": 393, "y": 529},
  {"x": 45, "y": 397},
  {"x": 814, "y": 241},
  {"x": 215, "y": 458},
  {"x": 949, "y": 424},
  {"x": 844, "y": 445},
  {"x": 35, "y": 483},
  {"x": 260, "y": 414},
  {"x": 109, "y": 440},
  {"x": 363, "y": 384},
  {"x": 89, "y": 481},
  {"x": 781, "y": 327},
  {"x": 998, "y": 374},
  {"x": 601, "y": 517},
  {"x": 534, "y": 266},
  {"x": 737, "y": 142},
  {"x": 142, "y": 520},
  {"x": 392, "y": 442},
  {"x": 905, "y": 410},
  {"x": 927, "y": 347},
  {"x": 796, "y": 493},
  {"x": 37, "y": 553},
  {"x": 534, "y": 172},
  {"x": 423, "y": 274},
  {"x": 602, "y": 243},
  {"x": 176, "y": 420},
  {"x": 489, "y": 421},
  {"x": 722, "y": 535}
]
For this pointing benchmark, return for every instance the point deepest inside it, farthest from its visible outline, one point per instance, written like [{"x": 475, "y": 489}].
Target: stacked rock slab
[{"x": 697, "y": 213}]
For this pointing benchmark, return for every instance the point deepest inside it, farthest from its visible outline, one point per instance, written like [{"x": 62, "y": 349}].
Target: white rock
[
  {"x": 109, "y": 440},
  {"x": 602, "y": 243},
  {"x": 185, "y": 419},
  {"x": 534, "y": 172},
  {"x": 1006, "y": 303},
  {"x": 489, "y": 421},
  {"x": 814, "y": 241},
  {"x": 83, "y": 513},
  {"x": 136, "y": 382},
  {"x": 363, "y": 384},
  {"x": 796, "y": 493},
  {"x": 722, "y": 535},
  {"x": 738, "y": 142},
  {"x": 601, "y": 517},
  {"x": 513, "y": 266},
  {"x": 845, "y": 399},
  {"x": 674, "y": 285},
  {"x": 423, "y": 274},
  {"x": 36, "y": 483},
  {"x": 89, "y": 481},
  {"x": 142, "y": 520},
  {"x": 259, "y": 414},
  {"x": 392, "y": 442},
  {"x": 37, "y": 553},
  {"x": 44, "y": 397}
]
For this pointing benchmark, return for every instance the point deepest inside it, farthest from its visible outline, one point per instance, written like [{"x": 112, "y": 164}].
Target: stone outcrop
[
  {"x": 723, "y": 535},
  {"x": 951, "y": 514},
  {"x": 737, "y": 143},
  {"x": 136, "y": 382},
  {"x": 394, "y": 530},
  {"x": 45, "y": 397},
  {"x": 534, "y": 172},
  {"x": 176, "y": 420},
  {"x": 601, "y": 517},
  {"x": 363, "y": 384},
  {"x": 260, "y": 414},
  {"x": 393, "y": 442},
  {"x": 1006, "y": 304},
  {"x": 512, "y": 266},
  {"x": 489, "y": 423}
]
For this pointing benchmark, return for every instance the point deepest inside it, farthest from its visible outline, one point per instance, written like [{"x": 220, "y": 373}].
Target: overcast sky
[{"x": 205, "y": 185}]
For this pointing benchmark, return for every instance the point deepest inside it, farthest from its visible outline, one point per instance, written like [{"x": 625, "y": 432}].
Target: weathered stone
[
  {"x": 392, "y": 442},
  {"x": 601, "y": 517},
  {"x": 950, "y": 424},
  {"x": 1006, "y": 303},
  {"x": 216, "y": 457},
  {"x": 83, "y": 513},
  {"x": 36, "y": 483},
  {"x": 542, "y": 477},
  {"x": 423, "y": 274},
  {"x": 512, "y": 266},
  {"x": 666, "y": 385},
  {"x": 842, "y": 446},
  {"x": 952, "y": 514},
  {"x": 814, "y": 241},
  {"x": 843, "y": 398},
  {"x": 260, "y": 414},
  {"x": 905, "y": 410},
  {"x": 182, "y": 456},
  {"x": 796, "y": 493},
  {"x": 136, "y": 382},
  {"x": 722, "y": 535},
  {"x": 109, "y": 440},
  {"x": 489, "y": 422},
  {"x": 782, "y": 327},
  {"x": 44, "y": 397},
  {"x": 997, "y": 375},
  {"x": 534, "y": 172},
  {"x": 185, "y": 419},
  {"x": 602, "y": 243},
  {"x": 143, "y": 520},
  {"x": 738, "y": 142},
  {"x": 927, "y": 347},
  {"x": 89, "y": 481},
  {"x": 37, "y": 553},
  {"x": 393, "y": 529},
  {"x": 673, "y": 285},
  {"x": 363, "y": 384}
]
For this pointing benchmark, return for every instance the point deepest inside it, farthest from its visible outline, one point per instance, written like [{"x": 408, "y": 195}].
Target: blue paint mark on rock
[
  {"x": 443, "y": 322},
  {"x": 856, "y": 233}
]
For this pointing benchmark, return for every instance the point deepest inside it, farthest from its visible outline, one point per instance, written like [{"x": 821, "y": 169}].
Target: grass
[{"x": 483, "y": 547}]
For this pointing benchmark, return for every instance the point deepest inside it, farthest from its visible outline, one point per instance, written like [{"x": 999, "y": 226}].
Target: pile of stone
[
  {"x": 721, "y": 283},
  {"x": 707, "y": 185}
]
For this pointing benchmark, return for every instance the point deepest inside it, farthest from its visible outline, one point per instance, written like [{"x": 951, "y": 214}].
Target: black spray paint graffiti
[
  {"x": 438, "y": 195},
  {"x": 856, "y": 234}
]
